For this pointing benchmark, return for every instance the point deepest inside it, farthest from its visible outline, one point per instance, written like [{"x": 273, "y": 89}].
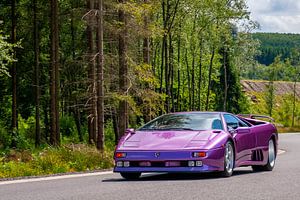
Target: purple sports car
[{"x": 197, "y": 142}]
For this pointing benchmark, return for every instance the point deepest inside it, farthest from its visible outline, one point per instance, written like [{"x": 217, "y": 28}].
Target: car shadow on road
[{"x": 179, "y": 176}]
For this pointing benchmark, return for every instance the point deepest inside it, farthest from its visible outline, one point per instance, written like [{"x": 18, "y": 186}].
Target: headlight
[
  {"x": 119, "y": 164},
  {"x": 126, "y": 164},
  {"x": 199, "y": 154}
]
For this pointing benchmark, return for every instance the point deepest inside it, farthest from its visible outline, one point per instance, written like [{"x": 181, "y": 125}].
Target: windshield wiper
[{"x": 179, "y": 129}]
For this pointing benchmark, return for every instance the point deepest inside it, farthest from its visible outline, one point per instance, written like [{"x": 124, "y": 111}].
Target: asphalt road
[{"x": 282, "y": 183}]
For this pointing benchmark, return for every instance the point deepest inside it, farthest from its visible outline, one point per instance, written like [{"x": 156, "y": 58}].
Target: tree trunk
[
  {"x": 209, "y": 78},
  {"x": 146, "y": 57},
  {"x": 225, "y": 79},
  {"x": 200, "y": 75},
  {"x": 100, "y": 81},
  {"x": 92, "y": 117},
  {"x": 123, "y": 72},
  {"x": 37, "y": 75},
  {"x": 294, "y": 104},
  {"x": 54, "y": 76},
  {"x": 167, "y": 61},
  {"x": 163, "y": 49},
  {"x": 14, "y": 76},
  {"x": 193, "y": 82},
  {"x": 46, "y": 121},
  {"x": 171, "y": 74},
  {"x": 188, "y": 79},
  {"x": 178, "y": 70},
  {"x": 193, "y": 50}
]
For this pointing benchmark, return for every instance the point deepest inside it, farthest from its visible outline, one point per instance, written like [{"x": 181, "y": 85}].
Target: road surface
[{"x": 282, "y": 183}]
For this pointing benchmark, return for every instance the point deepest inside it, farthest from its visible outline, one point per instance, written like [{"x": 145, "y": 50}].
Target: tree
[
  {"x": 270, "y": 90},
  {"x": 54, "y": 76},
  {"x": 14, "y": 75},
  {"x": 295, "y": 73},
  {"x": 92, "y": 117},
  {"x": 100, "y": 80},
  {"x": 123, "y": 71},
  {"x": 37, "y": 75}
]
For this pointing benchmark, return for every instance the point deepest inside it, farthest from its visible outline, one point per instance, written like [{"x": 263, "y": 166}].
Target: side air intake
[{"x": 257, "y": 155}]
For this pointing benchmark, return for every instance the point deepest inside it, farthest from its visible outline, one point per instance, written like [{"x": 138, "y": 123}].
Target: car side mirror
[
  {"x": 231, "y": 130},
  {"x": 233, "y": 125},
  {"x": 130, "y": 130}
]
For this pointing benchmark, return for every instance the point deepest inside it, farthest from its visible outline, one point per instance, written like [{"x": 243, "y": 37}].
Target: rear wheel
[
  {"x": 271, "y": 159},
  {"x": 131, "y": 176},
  {"x": 228, "y": 160}
]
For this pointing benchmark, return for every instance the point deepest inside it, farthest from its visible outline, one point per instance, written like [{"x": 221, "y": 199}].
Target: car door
[{"x": 243, "y": 136}]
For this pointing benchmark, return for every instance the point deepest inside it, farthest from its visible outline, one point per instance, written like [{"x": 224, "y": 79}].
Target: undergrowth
[{"x": 70, "y": 158}]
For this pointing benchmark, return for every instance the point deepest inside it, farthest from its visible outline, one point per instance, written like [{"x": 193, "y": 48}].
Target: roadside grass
[
  {"x": 288, "y": 129},
  {"x": 69, "y": 158}
]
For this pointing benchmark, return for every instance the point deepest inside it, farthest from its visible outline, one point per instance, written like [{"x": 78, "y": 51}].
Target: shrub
[
  {"x": 68, "y": 129},
  {"x": 5, "y": 137}
]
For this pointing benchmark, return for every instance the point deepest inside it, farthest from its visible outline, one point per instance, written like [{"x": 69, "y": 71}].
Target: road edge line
[{"x": 55, "y": 178}]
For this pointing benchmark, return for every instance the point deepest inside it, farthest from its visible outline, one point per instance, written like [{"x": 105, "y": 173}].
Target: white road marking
[
  {"x": 54, "y": 178},
  {"x": 280, "y": 151}
]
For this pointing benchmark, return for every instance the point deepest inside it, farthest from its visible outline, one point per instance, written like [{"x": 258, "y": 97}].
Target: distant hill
[
  {"x": 273, "y": 44},
  {"x": 281, "y": 87}
]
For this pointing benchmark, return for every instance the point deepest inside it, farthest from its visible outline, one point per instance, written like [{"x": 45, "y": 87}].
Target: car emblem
[{"x": 156, "y": 154}]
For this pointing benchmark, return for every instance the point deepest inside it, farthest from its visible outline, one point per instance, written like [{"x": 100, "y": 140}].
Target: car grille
[{"x": 158, "y": 163}]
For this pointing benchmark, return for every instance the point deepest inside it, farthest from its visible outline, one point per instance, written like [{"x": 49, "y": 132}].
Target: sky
[{"x": 282, "y": 16}]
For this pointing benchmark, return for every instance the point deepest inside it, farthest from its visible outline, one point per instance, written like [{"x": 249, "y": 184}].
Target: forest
[
  {"x": 274, "y": 44},
  {"x": 74, "y": 74},
  {"x": 274, "y": 48}
]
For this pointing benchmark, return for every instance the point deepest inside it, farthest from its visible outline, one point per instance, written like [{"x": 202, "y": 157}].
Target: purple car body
[{"x": 227, "y": 141}]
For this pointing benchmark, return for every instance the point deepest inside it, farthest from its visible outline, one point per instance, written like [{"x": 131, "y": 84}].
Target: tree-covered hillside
[{"x": 273, "y": 44}]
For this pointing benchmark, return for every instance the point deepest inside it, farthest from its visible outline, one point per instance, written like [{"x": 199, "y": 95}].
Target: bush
[
  {"x": 68, "y": 128},
  {"x": 5, "y": 137},
  {"x": 109, "y": 136}
]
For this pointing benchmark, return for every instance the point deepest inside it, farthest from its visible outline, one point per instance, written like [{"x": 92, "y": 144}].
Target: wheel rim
[
  {"x": 229, "y": 158},
  {"x": 271, "y": 153}
]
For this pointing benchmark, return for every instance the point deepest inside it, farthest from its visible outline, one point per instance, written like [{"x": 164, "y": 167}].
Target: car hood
[{"x": 167, "y": 140}]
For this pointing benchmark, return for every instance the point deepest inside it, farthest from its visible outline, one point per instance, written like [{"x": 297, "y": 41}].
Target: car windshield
[{"x": 188, "y": 121}]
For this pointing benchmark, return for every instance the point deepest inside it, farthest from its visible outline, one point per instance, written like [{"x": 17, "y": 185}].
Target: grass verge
[
  {"x": 70, "y": 158},
  {"x": 288, "y": 129}
]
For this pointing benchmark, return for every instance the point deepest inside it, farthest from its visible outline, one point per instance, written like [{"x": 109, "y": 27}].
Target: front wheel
[
  {"x": 271, "y": 159},
  {"x": 131, "y": 176},
  {"x": 228, "y": 160}
]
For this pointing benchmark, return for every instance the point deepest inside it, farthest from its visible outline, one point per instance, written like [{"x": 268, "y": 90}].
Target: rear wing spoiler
[{"x": 252, "y": 116}]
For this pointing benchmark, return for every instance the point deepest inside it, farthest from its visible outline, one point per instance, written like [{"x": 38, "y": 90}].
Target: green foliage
[
  {"x": 281, "y": 111},
  {"x": 68, "y": 126},
  {"x": 5, "y": 137},
  {"x": 6, "y": 54},
  {"x": 274, "y": 69},
  {"x": 109, "y": 136}
]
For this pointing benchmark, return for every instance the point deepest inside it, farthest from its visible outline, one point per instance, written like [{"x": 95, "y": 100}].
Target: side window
[
  {"x": 231, "y": 121},
  {"x": 242, "y": 123}
]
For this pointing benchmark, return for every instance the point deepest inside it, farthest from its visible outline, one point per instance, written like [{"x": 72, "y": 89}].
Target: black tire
[
  {"x": 271, "y": 159},
  {"x": 228, "y": 157},
  {"x": 131, "y": 176}
]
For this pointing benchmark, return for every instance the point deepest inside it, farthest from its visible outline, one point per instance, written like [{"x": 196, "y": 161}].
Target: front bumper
[{"x": 213, "y": 161}]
